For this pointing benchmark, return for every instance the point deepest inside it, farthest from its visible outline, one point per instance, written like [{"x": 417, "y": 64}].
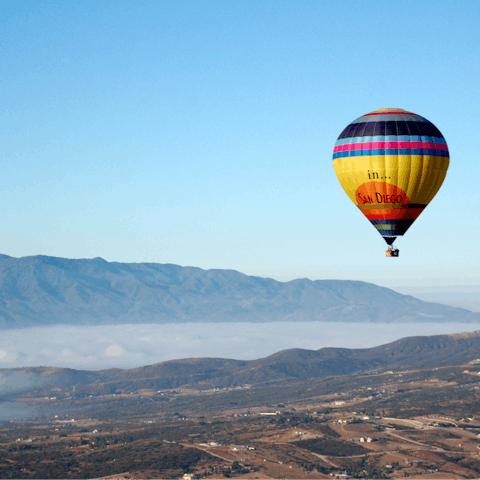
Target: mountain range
[
  {"x": 279, "y": 368},
  {"x": 42, "y": 290}
]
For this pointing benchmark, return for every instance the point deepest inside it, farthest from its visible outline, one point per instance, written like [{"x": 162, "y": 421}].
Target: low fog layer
[{"x": 136, "y": 345}]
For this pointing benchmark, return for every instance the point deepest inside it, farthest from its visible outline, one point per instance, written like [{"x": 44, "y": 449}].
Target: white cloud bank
[
  {"x": 114, "y": 351},
  {"x": 128, "y": 346}
]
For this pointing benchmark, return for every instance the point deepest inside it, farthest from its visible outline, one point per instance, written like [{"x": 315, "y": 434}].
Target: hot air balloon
[{"x": 391, "y": 163}]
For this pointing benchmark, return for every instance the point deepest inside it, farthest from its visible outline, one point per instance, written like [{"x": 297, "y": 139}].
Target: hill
[
  {"x": 280, "y": 368},
  {"x": 41, "y": 290},
  {"x": 14, "y": 381}
]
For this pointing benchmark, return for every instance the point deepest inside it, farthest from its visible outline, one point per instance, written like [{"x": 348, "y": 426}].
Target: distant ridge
[
  {"x": 279, "y": 368},
  {"x": 42, "y": 290}
]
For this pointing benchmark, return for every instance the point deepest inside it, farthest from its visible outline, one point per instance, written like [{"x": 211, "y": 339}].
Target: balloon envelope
[{"x": 391, "y": 163}]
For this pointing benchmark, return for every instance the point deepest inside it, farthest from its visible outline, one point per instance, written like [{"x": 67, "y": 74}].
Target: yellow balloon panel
[{"x": 419, "y": 176}]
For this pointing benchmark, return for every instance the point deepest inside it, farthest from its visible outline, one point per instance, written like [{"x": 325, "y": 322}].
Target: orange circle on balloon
[{"x": 380, "y": 193}]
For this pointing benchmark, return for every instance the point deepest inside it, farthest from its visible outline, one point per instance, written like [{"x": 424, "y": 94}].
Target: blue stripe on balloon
[
  {"x": 400, "y": 138},
  {"x": 392, "y": 151}
]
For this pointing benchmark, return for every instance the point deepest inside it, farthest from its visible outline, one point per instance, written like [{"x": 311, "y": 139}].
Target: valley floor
[{"x": 421, "y": 423}]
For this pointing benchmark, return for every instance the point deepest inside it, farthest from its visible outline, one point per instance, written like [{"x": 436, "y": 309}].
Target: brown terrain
[{"x": 419, "y": 421}]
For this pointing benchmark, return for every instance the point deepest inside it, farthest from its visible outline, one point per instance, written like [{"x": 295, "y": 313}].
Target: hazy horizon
[{"x": 128, "y": 346}]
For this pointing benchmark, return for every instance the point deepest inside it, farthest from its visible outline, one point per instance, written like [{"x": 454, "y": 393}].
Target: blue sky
[{"x": 201, "y": 133}]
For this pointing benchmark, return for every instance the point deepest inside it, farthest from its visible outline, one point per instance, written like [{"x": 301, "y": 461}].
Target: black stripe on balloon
[
  {"x": 429, "y": 129},
  {"x": 391, "y": 127},
  {"x": 358, "y": 131},
  {"x": 368, "y": 132},
  {"x": 402, "y": 128},
  {"x": 379, "y": 129},
  {"x": 413, "y": 128},
  {"x": 348, "y": 129},
  {"x": 394, "y": 128}
]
